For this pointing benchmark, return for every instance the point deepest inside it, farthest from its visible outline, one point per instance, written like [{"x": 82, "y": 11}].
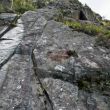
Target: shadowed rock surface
[{"x": 47, "y": 66}]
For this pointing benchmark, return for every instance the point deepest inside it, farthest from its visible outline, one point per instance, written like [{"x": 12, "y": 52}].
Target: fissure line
[{"x": 36, "y": 74}]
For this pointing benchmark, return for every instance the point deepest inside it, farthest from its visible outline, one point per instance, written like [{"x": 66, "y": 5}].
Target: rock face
[
  {"x": 45, "y": 65},
  {"x": 70, "y": 8},
  {"x": 7, "y": 16}
]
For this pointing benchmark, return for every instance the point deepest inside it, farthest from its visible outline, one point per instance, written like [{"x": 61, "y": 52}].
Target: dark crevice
[
  {"x": 82, "y": 16},
  {"x": 5, "y": 31},
  {"x": 3, "y": 63},
  {"x": 6, "y": 60},
  {"x": 11, "y": 25},
  {"x": 37, "y": 77},
  {"x": 89, "y": 82},
  {"x": 64, "y": 76},
  {"x": 5, "y": 39}
]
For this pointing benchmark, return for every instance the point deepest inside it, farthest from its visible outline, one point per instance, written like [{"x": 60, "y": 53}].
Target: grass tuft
[
  {"x": 102, "y": 33},
  {"x": 86, "y": 28},
  {"x": 20, "y": 6}
]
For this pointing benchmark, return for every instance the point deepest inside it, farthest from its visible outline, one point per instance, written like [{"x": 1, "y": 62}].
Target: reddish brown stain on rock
[{"x": 60, "y": 55}]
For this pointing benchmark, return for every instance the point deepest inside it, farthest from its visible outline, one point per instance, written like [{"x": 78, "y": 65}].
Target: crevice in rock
[
  {"x": 82, "y": 16},
  {"x": 11, "y": 25},
  {"x": 5, "y": 31},
  {"x": 89, "y": 82},
  {"x": 42, "y": 87},
  {"x": 5, "y": 39},
  {"x": 64, "y": 76},
  {"x": 6, "y": 60}
]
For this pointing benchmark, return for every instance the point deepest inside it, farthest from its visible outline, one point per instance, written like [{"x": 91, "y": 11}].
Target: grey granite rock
[
  {"x": 7, "y": 16},
  {"x": 57, "y": 39},
  {"x": 70, "y": 8},
  {"x": 8, "y": 46},
  {"x": 46, "y": 66}
]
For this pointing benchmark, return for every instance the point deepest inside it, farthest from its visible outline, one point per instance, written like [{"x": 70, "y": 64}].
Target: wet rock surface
[
  {"x": 7, "y": 16},
  {"x": 45, "y": 65}
]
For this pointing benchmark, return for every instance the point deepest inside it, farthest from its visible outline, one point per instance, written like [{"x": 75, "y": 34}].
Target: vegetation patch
[
  {"x": 102, "y": 33},
  {"x": 103, "y": 40},
  {"x": 2, "y": 8},
  {"x": 86, "y": 28},
  {"x": 43, "y": 3},
  {"x": 20, "y": 6},
  {"x": 97, "y": 82},
  {"x": 106, "y": 23}
]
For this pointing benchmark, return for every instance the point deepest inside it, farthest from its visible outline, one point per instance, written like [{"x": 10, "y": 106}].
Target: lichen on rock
[{"x": 47, "y": 65}]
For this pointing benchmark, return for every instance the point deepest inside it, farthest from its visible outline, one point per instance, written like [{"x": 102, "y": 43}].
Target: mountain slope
[{"x": 47, "y": 65}]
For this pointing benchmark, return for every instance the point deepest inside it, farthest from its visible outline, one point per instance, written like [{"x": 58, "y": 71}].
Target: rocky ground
[{"x": 45, "y": 65}]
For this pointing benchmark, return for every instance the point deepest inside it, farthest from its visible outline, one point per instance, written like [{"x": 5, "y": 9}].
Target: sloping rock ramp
[{"x": 44, "y": 61}]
